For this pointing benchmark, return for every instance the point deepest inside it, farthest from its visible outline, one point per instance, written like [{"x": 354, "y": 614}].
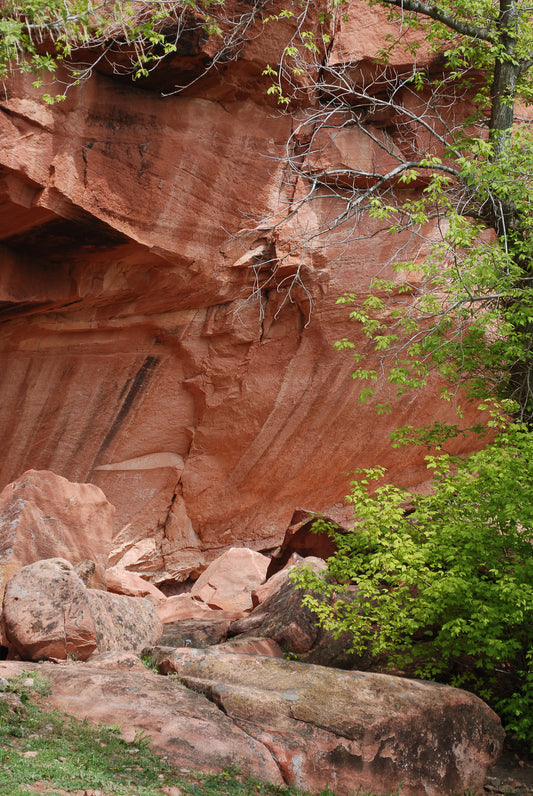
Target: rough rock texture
[
  {"x": 281, "y": 616},
  {"x": 143, "y": 348},
  {"x": 47, "y": 613},
  {"x": 353, "y": 731},
  {"x": 124, "y": 623},
  {"x": 42, "y": 515},
  {"x": 187, "y": 728},
  {"x": 253, "y": 646},
  {"x": 197, "y": 633},
  {"x": 229, "y": 581}
]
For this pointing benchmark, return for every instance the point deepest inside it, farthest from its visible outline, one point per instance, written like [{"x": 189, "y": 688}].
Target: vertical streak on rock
[{"x": 137, "y": 385}]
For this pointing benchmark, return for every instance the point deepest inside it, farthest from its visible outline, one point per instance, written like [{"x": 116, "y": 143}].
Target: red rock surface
[
  {"x": 282, "y": 616},
  {"x": 228, "y": 582},
  {"x": 42, "y": 515},
  {"x": 47, "y": 614},
  {"x": 357, "y": 732},
  {"x": 183, "y": 606},
  {"x": 122, "y": 581},
  {"x": 135, "y": 352},
  {"x": 285, "y": 722},
  {"x": 124, "y": 623},
  {"x": 188, "y": 729}
]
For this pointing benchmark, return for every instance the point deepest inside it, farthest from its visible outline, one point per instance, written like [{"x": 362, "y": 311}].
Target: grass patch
[{"x": 43, "y": 750}]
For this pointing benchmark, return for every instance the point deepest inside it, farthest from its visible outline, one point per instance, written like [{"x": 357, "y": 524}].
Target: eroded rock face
[
  {"x": 43, "y": 515},
  {"x": 143, "y": 349},
  {"x": 353, "y": 731}
]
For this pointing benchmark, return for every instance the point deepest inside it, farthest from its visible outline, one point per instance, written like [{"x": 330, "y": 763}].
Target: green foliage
[
  {"x": 39, "y": 745},
  {"x": 470, "y": 301},
  {"x": 38, "y": 35},
  {"x": 465, "y": 309},
  {"x": 150, "y": 662},
  {"x": 445, "y": 588}
]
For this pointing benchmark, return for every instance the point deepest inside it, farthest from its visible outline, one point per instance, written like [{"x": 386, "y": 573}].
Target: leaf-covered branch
[{"x": 445, "y": 18}]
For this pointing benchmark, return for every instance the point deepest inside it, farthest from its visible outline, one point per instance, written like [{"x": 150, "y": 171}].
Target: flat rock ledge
[
  {"x": 286, "y": 722},
  {"x": 353, "y": 731}
]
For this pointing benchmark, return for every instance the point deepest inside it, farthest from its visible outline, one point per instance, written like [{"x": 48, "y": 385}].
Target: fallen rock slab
[
  {"x": 183, "y": 606},
  {"x": 43, "y": 515},
  {"x": 183, "y": 725},
  {"x": 122, "y": 581},
  {"x": 353, "y": 731},
  {"x": 229, "y": 581},
  {"x": 47, "y": 613}
]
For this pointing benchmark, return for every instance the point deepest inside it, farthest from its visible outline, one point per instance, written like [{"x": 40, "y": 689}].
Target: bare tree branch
[{"x": 436, "y": 13}]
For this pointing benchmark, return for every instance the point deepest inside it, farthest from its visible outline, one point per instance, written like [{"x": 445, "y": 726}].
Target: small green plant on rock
[{"x": 150, "y": 662}]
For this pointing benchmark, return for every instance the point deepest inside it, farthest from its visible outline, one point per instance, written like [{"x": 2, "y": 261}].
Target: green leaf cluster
[
  {"x": 466, "y": 309},
  {"x": 444, "y": 581},
  {"x": 38, "y": 35}
]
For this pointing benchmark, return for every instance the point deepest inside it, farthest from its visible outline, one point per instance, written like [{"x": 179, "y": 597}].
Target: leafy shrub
[{"x": 445, "y": 589}]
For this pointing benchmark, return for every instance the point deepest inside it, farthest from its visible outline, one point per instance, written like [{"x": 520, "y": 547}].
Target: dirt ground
[{"x": 512, "y": 775}]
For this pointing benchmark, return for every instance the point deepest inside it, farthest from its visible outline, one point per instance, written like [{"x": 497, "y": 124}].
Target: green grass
[{"x": 55, "y": 751}]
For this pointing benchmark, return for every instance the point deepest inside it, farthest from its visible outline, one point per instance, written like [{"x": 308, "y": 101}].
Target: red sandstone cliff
[{"x": 136, "y": 352}]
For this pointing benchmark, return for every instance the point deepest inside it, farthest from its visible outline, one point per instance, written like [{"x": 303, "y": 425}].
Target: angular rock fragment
[
  {"x": 183, "y": 606},
  {"x": 122, "y": 581},
  {"x": 229, "y": 581}
]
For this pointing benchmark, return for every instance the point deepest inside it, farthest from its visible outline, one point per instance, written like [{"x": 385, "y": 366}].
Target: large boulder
[
  {"x": 42, "y": 515},
  {"x": 47, "y": 613},
  {"x": 354, "y": 731},
  {"x": 229, "y": 581},
  {"x": 124, "y": 623}
]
